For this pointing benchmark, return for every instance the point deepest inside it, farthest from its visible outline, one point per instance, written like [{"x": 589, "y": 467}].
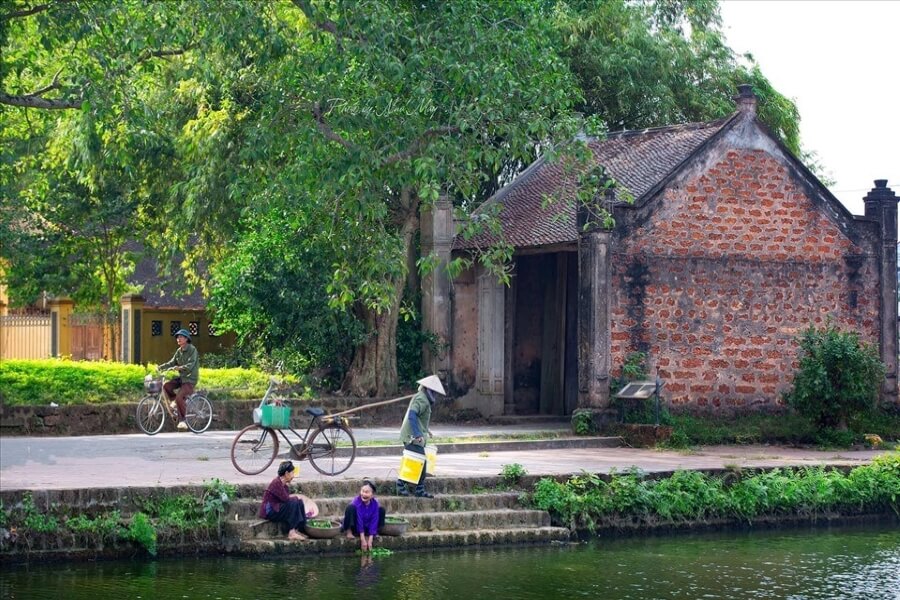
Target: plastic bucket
[
  {"x": 430, "y": 459},
  {"x": 411, "y": 465}
]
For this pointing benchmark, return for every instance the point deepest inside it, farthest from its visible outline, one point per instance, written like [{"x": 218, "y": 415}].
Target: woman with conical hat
[{"x": 415, "y": 428}]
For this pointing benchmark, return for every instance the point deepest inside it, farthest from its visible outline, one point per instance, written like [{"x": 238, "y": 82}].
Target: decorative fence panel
[
  {"x": 24, "y": 336},
  {"x": 93, "y": 337}
]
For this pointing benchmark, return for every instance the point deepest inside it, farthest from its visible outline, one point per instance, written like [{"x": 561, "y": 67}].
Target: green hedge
[
  {"x": 38, "y": 382},
  {"x": 587, "y": 501}
]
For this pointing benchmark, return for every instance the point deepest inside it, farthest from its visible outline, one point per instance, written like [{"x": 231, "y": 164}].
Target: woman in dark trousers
[
  {"x": 416, "y": 426},
  {"x": 280, "y": 506},
  {"x": 364, "y": 517}
]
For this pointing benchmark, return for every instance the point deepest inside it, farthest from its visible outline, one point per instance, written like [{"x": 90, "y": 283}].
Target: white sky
[{"x": 840, "y": 62}]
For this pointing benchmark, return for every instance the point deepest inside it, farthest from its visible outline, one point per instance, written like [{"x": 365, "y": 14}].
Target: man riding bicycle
[{"x": 187, "y": 362}]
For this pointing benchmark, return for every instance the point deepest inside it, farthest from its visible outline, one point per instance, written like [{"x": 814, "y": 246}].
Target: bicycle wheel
[
  {"x": 199, "y": 413},
  {"x": 332, "y": 449},
  {"x": 150, "y": 415},
  {"x": 253, "y": 449}
]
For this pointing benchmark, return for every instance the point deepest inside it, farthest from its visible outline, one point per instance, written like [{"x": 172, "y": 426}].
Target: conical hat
[{"x": 432, "y": 382}]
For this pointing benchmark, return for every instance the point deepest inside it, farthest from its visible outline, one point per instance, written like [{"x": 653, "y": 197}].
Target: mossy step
[
  {"x": 421, "y": 522},
  {"x": 549, "y": 441},
  {"x": 248, "y": 509},
  {"x": 409, "y": 541}
]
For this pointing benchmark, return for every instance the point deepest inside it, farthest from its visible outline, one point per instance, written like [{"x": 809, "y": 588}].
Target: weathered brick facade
[
  {"x": 731, "y": 249},
  {"x": 732, "y": 265}
]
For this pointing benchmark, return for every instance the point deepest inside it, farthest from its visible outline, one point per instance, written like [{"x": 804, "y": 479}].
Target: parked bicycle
[
  {"x": 328, "y": 442},
  {"x": 153, "y": 408}
]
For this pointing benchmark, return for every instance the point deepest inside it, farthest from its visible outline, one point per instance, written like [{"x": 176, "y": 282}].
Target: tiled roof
[
  {"x": 637, "y": 160},
  {"x": 164, "y": 293},
  {"x": 157, "y": 290}
]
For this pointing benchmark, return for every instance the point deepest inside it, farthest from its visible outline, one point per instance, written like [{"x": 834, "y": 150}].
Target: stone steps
[
  {"x": 394, "y": 505},
  {"x": 410, "y": 541},
  {"x": 452, "y": 519},
  {"x": 419, "y": 522}
]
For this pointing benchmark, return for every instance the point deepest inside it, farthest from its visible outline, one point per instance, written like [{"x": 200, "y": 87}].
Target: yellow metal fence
[{"x": 24, "y": 336}]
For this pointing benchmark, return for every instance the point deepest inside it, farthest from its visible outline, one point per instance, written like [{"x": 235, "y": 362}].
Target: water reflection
[{"x": 808, "y": 565}]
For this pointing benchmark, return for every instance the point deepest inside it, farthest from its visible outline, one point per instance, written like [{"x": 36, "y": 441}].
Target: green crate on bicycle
[{"x": 275, "y": 416}]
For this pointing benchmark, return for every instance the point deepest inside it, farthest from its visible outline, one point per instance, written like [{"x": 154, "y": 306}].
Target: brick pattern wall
[{"x": 736, "y": 262}]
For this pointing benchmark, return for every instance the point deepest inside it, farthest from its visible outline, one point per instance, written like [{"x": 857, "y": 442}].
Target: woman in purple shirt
[{"x": 364, "y": 517}]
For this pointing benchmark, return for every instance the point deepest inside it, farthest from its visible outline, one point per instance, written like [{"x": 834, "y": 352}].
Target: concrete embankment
[{"x": 474, "y": 511}]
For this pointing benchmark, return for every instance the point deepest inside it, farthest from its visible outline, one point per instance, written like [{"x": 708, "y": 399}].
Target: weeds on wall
[
  {"x": 587, "y": 501},
  {"x": 155, "y": 518},
  {"x": 511, "y": 474}
]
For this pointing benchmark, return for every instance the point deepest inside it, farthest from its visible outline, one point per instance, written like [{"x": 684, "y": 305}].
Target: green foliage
[
  {"x": 411, "y": 340},
  {"x": 838, "y": 379},
  {"x": 36, "y": 382},
  {"x": 635, "y": 368},
  {"x": 35, "y": 520},
  {"x": 107, "y": 526},
  {"x": 319, "y": 524},
  {"x": 582, "y": 421},
  {"x": 141, "y": 531},
  {"x": 217, "y": 495},
  {"x": 785, "y": 428},
  {"x": 587, "y": 501},
  {"x": 646, "y": 64},
  {"x": 511, "y": 474}
]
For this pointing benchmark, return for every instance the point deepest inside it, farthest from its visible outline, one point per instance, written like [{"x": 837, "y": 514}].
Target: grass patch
[
  {"x": 587, "y": 501},
  {"x": 66, "y": 382},
  {"x": 787, "y": 428}
]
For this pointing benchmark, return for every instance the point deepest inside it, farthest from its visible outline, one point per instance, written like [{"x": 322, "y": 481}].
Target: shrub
[
  {"x": 838, "y": 379},
  {"x": 585, "y": 500},
  {"x": 40, "y": 382},
  {"x": 583, "y": 421},
  {"x": 511, "y": 474}
]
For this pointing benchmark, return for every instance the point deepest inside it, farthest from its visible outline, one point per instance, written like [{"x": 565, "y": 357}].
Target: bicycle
[
  {"x": 152, "y": 409},
  {"x": 328, "y": 442}
]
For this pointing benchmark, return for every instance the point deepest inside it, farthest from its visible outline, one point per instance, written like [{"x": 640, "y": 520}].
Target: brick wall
[{"x": 733, "y": 264}]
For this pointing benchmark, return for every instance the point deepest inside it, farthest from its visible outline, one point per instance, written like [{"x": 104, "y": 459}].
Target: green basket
[{"x": 276, "y": 417}]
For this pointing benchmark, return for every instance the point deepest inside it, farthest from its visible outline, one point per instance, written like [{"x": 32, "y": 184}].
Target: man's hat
[
  {"x": 433, "y": 383},
  {"x": 183, "y": 332}
]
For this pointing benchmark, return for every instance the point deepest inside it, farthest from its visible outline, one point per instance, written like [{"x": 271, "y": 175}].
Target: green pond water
[{"x": 838, "y": 563}]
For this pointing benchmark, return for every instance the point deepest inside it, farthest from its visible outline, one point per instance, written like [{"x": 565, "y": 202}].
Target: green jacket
[
  {"x": 188, "y": 358},
  {"x": 422, "y": 407}
]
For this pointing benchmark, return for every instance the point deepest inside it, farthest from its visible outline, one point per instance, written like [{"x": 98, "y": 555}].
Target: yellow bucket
[
  {"x": 430, "y": 459},
  {"x": 411, "y": 465}
]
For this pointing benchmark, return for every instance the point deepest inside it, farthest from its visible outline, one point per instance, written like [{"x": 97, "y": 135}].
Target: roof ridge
[{"x": 665, "y": 128}]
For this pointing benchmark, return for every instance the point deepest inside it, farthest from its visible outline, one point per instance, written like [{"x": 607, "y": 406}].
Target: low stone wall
[{"x": 108, "y": 419}]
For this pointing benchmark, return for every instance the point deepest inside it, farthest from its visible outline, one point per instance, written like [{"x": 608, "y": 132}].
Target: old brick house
[{"x": 730, "y": 249}]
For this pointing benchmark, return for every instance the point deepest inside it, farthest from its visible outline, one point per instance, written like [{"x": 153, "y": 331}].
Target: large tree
[
  {"x": 392, "y": 104},
  {"x": 662, "y": 62},
  {"x": 86, "y": 161}
]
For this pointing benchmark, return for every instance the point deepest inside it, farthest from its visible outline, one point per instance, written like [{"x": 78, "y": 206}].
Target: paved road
[{"x": 181, "y": 458}]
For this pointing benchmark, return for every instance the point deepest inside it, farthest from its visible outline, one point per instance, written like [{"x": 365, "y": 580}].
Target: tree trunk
[{"x": 373, "y": 371}]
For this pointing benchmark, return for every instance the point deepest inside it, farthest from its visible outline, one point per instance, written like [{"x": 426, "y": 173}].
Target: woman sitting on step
[
  {"x": 280, "y": 506},
  {"x": 364, "y": 517}
]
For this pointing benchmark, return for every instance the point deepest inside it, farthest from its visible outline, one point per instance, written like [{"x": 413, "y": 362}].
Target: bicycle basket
[
  {"x": 276, "y": 417},
  {"x": 152, "y": 385}
]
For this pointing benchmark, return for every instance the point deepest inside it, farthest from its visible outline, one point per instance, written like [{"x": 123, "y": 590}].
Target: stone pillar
[
  {"x": 881, "y": 205},
  {"x": 60, "y": 327},
  {"x": 132, "y": 313},
  {"x": 594, "y": 275},
  {"x": 437, "y": 239}
]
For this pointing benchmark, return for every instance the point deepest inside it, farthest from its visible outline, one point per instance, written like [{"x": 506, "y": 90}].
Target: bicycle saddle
[{"x": 314, "y": 412}]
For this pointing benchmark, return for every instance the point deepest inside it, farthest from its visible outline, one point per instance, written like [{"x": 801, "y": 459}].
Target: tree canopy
[{"x": 281, "y": 152}]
